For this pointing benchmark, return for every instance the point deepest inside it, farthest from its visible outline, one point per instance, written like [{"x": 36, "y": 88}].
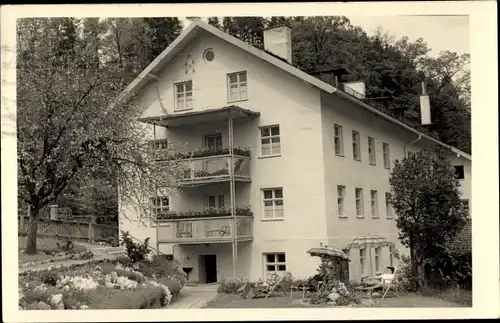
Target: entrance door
[{"x": 211, "y": 269}]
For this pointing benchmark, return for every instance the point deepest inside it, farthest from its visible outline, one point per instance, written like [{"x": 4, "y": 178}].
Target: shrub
[
  {"x": 68, "y": 246},
  {"x": 162, "y": 267},
  {"x": 130, "y": 275},
  {"x": 135, "y": 251},
  {"x": 40, "y": 295},
  {"x": 404, "y": 279},
  {"x": 74, "y": 298},
  {"x": 141, "y": 298},
  {"x": 230, "y": 285},
  {"x": 124, "y": 261},
  {"x": 50, "y": 278},
  {"x": 113, "y": 241},
  {"x": 173, "y": 285}
]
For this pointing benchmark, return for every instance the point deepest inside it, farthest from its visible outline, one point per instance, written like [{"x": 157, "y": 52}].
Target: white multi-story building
[{"x": 311, "y": 157}]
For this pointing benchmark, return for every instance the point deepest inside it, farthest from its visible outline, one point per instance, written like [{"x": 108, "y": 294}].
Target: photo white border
[{"x": 484, "y": 67}]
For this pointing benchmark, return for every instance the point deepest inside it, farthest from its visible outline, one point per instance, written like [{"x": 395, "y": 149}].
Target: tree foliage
[
  {"x": 426, "y": 199},
  {"x": 68, "y": 131}
]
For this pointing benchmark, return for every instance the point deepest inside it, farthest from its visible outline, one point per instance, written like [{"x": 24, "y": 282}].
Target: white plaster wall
[
  {"x": 353, "y": 174},
  {"x": 281, "y": 99}
]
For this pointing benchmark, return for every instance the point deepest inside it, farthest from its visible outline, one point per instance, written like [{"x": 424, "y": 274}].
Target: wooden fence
[{"x": 83, "y": 231}]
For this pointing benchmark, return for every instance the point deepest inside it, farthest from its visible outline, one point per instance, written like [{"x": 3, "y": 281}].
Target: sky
[{"x": 440, "y": 32}]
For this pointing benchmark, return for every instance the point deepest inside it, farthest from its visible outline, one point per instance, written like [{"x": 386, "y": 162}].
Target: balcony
[
  {"x": 200, "y": 229},
  {"x": 204, "y": 166}
]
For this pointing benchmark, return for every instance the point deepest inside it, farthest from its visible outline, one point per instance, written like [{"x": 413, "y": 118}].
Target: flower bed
[
  {"x": 241, "y": 211},
  {"x": 104, "y": 284}
]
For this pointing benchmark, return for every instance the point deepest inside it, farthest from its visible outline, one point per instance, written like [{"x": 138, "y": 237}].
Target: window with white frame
[
  {"x": 184, "y": 96},
  {"x": 356, "y": 151},
  {"x": 371, "y": 151},
  {"x": 388, "y": 208},
  {"x": 237, "y": 86},
  {"x": 159, "y": 205},
  {"x": 340, "y": 199},
  {"x": 270, "y": 141},
  {"x": 387, "y": 158},
  {"x": 274, "y": 263},
  {"x": 358, "y": 193},
  {"x": 338, "y": 140},
  {"x": 374, "y": 203},
  {"x": 214, "y": 201},
  {"x": 362, "y": 259},
  {"x": 273, "y": 203}
]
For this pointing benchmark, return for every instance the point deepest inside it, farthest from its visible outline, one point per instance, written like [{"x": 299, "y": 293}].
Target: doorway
[{"x": 208, "y": 269}]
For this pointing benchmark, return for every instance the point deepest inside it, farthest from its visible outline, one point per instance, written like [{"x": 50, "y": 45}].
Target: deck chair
[
  {"x": 386, "y": 285},
  {"x": 389, "y": 284}
]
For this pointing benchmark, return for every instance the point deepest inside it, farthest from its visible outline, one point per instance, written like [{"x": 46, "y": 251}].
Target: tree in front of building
[
  {"x": 426, "y": 199},
  {"x": 71, "y": 129}
]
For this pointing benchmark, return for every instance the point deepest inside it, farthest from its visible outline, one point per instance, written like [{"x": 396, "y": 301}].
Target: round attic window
[{"x": 209, "y": 55}]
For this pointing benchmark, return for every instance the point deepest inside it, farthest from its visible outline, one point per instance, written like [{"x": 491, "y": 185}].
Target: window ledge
[
  {"x": 358, "y": 160},
  {"x": 242, "y": 100},
  {"x": 360, "y": 216},
  {"x": 372, "y": 164},
  {"x": 343, "y": 217},
  {"x": 269, "y": 156},
  {"x": 272, "y": 220},
  {"x": 182, "y": 110},
  {"x": 339, "y": 155},
  {"x": 391, "y": 218},
  {"x": 375, "y": 217}
]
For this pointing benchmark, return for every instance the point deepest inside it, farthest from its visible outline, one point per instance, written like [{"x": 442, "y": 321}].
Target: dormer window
[{"x": 184, "y": 96}]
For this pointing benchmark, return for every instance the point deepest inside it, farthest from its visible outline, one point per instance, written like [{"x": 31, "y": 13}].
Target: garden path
[{"x": 196, "y": 296}]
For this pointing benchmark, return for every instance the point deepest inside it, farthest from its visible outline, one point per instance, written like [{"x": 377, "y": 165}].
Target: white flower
[
  {"x": 77, "y": 282},
  {"x": 126, "y": 283}
]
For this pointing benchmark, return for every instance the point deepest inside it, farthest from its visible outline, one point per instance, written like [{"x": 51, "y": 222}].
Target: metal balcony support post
[
  {"x": 156, "y": 219},
  {"x": 232, "y": 193}
]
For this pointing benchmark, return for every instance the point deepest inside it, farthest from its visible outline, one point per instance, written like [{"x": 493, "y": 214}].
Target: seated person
[{"x": 379, "y": 280}]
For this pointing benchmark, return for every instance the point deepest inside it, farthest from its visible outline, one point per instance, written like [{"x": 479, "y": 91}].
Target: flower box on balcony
[
  {"x": 207, "y": 152},
  {"x": 208, "y": 213}
]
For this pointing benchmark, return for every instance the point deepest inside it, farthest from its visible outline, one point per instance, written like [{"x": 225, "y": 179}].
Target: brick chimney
[{"x": 278, "y": 40}]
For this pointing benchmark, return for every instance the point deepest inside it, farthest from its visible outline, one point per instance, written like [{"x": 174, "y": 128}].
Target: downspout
[{"x": 411, "y": 143}]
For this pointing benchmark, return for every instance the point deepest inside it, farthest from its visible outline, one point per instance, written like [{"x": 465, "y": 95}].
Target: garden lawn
[
  {"x": 409, "y": 300},
  {"x": 43, "y": 245},
  {"x": 278, "y": 301}
]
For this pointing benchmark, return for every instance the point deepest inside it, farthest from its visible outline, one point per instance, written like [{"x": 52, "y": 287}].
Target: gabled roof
[{"x": 194, "y": 29}]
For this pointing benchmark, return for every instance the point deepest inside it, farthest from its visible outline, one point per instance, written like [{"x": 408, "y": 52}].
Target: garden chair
[
  {"x": 384, "y": 283},
  {"x": 390, "y": 284}
]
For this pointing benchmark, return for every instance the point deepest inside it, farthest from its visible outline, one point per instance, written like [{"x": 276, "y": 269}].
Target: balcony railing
[
  {"x": 205, "y": 230},
  {"x": 215, "y": 168}
]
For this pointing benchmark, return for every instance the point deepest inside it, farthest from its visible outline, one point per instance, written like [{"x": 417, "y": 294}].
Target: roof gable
[{"x": 194, "y": 29}]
